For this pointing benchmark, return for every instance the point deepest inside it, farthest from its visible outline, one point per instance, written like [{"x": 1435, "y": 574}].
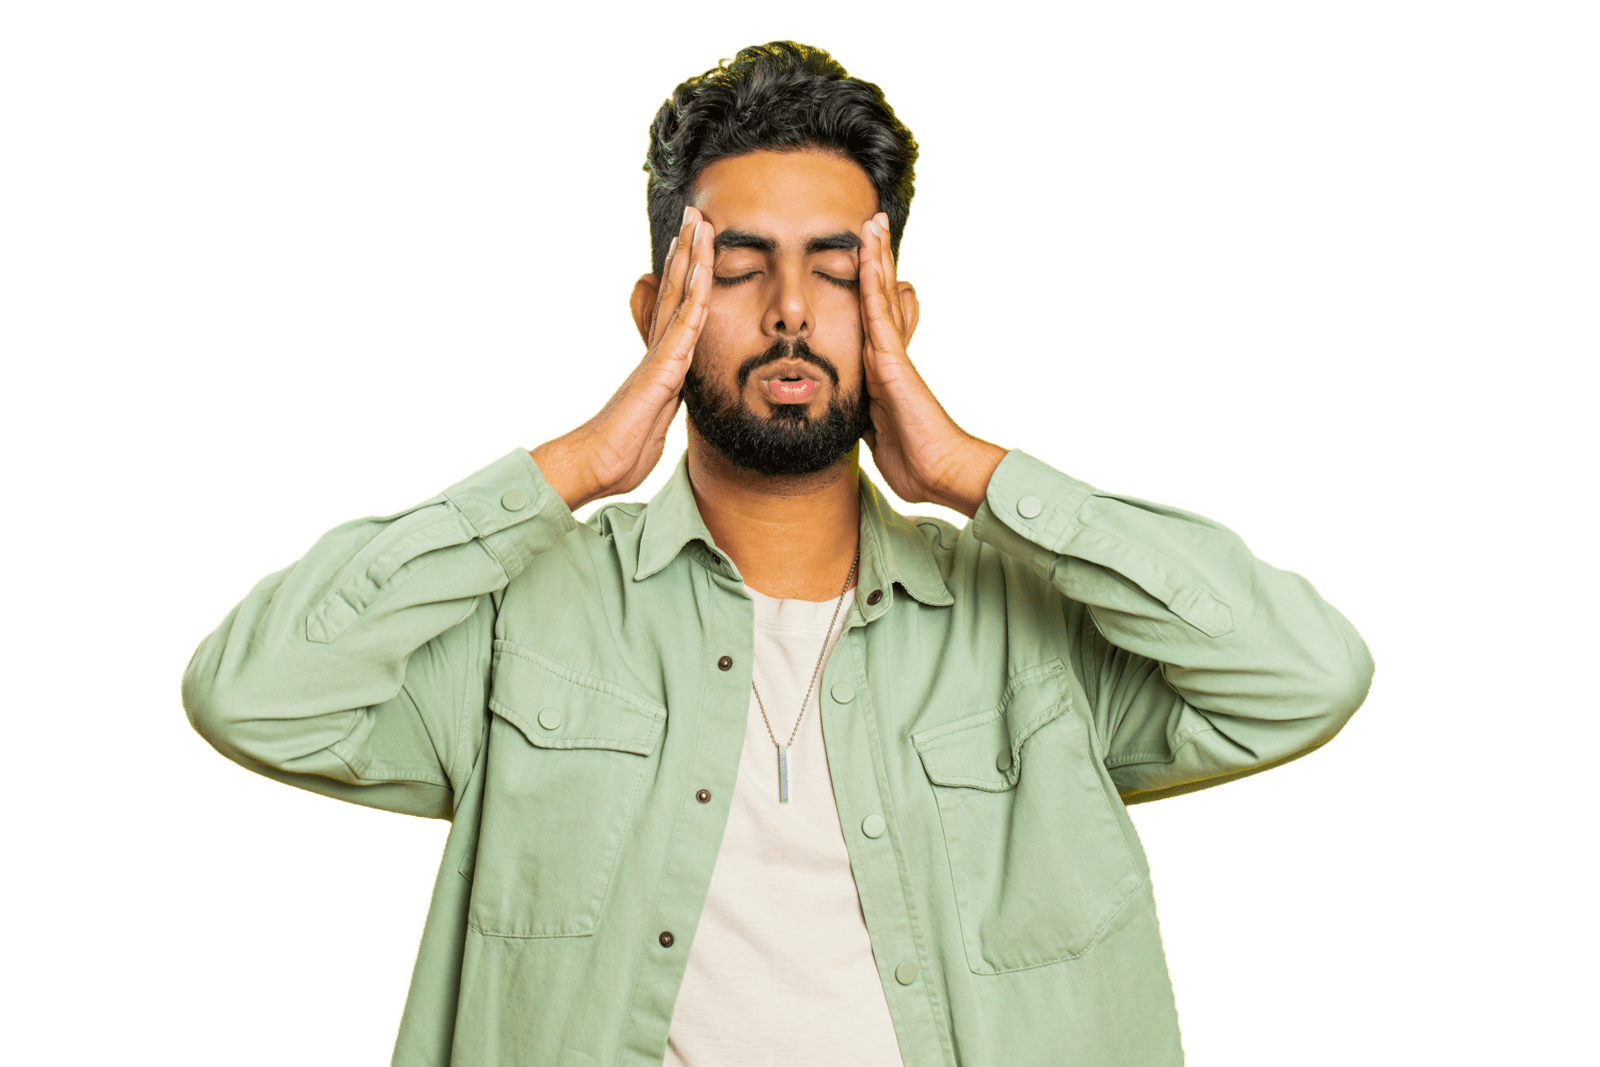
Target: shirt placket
[
  {"x": 901, "y": 943},
  {"x": 702, "y": 791}
]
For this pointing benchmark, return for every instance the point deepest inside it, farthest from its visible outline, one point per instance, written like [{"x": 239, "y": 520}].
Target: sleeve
[
  {"x": 361, "y": 671},
  {"x": 1201, "y": 663}
]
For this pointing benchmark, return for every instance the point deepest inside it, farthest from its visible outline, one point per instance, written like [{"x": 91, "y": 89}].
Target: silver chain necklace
[{"x": 783, "y": 749}]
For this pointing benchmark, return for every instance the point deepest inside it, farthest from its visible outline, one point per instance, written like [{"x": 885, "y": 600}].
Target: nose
[{"x": 790, "y": 315}]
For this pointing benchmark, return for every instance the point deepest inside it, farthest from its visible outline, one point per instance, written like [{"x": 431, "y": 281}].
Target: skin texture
[{"x": 793, "y": 536}]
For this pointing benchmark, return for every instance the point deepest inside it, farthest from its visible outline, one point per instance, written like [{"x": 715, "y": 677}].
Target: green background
[{"x": 1311, "y": 269}]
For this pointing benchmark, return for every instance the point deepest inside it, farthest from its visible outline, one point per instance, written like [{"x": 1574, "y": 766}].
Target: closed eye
[{"x": 843, "y": 283}]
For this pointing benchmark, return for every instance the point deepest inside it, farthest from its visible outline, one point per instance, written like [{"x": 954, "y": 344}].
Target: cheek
[
  {"x": 732, "y": 320},
  {"x": 725, "y": 339},
  {"x": 717, "y": 336},
  {"x": 839, "y": 331}
]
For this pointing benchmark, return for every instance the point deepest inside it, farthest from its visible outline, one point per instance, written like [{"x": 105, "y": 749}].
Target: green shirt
[{"x": 565, "y": 693}]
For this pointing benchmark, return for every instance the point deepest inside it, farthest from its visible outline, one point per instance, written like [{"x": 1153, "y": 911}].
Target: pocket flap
[
  {"x": 984, "y": 751},
  {"x": 555, "y": 707}
]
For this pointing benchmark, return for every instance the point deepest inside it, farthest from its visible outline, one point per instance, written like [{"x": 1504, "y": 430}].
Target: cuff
[
  {"x": 1034, "y": 513},
  {"x": 499, "y": 501},
  {"x": 1030, "y": 510}
]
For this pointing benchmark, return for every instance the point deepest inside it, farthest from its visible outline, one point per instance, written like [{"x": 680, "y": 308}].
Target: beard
[{"x": 787, "y": 442}]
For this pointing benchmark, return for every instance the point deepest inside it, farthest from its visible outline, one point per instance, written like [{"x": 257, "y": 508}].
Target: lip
[
  {"x": 806, "y": 381},
  {"x": 798, "y": 391},
  {"x": 789, "y": 368}
]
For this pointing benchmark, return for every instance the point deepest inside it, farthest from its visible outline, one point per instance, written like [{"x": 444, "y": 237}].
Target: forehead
[{"x": 785, "y": 193}]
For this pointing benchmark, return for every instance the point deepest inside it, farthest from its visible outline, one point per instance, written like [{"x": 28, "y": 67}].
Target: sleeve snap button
[
  {"x": 1029, "y": 507},
  {"x": 514, "y": 500}
]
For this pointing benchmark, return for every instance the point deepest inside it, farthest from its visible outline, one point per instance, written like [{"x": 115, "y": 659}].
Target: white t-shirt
[{"x": 781, "y": 972}]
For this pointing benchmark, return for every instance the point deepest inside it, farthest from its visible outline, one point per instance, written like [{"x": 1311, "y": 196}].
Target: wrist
[
  {"x": 969, "y": 482},
  {"x": 558, "y": 460}
]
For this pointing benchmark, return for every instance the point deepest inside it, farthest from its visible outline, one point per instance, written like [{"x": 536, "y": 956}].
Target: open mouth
[
  {"x": 790, "y": 381},
  {"x": 791, "y": 390}
]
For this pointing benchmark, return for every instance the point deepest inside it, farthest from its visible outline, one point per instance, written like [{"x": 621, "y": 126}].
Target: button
[
  {"x": 666, "y": 942},
  {"x": 843, "y": 692},
  {"x": 873, "y": 826},
  {"x": 1002, "y": 762},
  {"x": 906, "y": 973},
  {"x": 874, "y": 596},
  {"x": 703, "y": 796},
  {"x": 1029, "y": 507},
  {"x": 514, "y": 500},
  {"x": 725, "y": 663},
  {"x": 550, "y": 718}
]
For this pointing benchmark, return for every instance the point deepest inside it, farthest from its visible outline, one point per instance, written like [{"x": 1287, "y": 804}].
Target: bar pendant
[{"x": 783, "y": 774}]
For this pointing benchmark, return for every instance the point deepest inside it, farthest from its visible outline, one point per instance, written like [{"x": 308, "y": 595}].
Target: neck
[{"x": 791, "y": 537}]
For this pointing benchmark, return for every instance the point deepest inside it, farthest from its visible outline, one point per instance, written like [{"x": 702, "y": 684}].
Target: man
[{"x": 762, "y": 772}]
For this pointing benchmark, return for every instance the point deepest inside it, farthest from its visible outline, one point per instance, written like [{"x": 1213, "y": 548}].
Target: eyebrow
[{"x": 831, "y": 242}]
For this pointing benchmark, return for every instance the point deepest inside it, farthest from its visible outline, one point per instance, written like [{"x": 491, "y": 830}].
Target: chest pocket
[
  {"x": 1037, "y": 855},
  {"x": 567, "y": 759}
]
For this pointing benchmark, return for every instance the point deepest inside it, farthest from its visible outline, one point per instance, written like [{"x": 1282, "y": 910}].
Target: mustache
[{"x": 786, "y": 349}]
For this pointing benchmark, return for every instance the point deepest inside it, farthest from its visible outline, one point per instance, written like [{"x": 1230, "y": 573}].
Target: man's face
[{"x": 776, "y": 385}]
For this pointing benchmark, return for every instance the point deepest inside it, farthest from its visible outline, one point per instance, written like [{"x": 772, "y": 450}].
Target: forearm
[
  {"x": 1249, "y": 664},
  {"x": 286, "y": 680}
]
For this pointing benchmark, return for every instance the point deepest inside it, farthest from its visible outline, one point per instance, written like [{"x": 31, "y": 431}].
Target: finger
[
  {"x": 866, "y": 280},
  {"x": 891, "y": 288},
  {"x": 673, "y": 272},
  {"x": 886, "y": 277},
  {"x": 682, "y": 330},
  {"x": 877, "y": 307}
]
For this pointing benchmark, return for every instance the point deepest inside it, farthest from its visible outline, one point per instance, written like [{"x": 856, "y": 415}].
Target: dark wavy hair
[{"x": 780, "y": 96}]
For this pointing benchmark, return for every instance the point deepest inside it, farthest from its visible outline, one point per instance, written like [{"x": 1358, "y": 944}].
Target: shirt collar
[{"x": 893, "y": 551}]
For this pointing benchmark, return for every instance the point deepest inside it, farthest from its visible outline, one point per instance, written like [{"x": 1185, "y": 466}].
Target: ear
[
  {"x": 910, "y": 308},
  {"x": 643, "y": 304}
]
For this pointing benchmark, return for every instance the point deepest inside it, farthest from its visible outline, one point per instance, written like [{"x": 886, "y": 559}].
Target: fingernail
[
  {"x": 685, "y": 221},
  {"x": 695, "y": 236},
  {"x": 692, "y": 273},
  {"x": 672, "y": 247}
]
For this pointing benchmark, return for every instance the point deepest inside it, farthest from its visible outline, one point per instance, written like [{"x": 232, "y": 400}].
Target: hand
[
  {"x": 922, "y": 453},
  {"x": 614, "y": 451}
]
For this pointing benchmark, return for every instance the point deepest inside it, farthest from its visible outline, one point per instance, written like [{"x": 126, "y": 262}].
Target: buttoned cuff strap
[
  {"x": 1030, "y": 510},
  {"x": 500, "y": 499},
  {"x": 1034, "y": 513}
]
